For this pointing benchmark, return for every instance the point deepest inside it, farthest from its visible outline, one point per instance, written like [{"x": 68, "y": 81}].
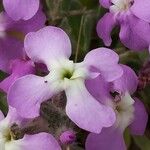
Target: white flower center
[
  {"x": 120, "y": 5},
  {"x": 6, "y": 137},
  {"x": 124, "y": 111},
  {"x": 5, "y": 133},
  {"x": 64, "y": 71},
  {"x": 7, "y": 141}
]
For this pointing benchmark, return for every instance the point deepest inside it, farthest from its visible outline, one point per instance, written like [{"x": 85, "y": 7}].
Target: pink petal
[
  {"x": 47, "y": 44},
  {"x": 13, "y": 116},
  {"x": 141, "y": 9},
  {"x": 139, "y": 123},
  {"x": 106, "y": 61},
  {"x": 35, "y": 23},
  {"x": 19, "y": 69},
  {"x": 9, "y": 52},
  {"x": 105, "y": 3},
  {"x": 82, "y": 109},
  {"x": 99, "y": 88},
  {"x": 133, "y": 35},
  {"x": 27, "y": 93},
  {"x": 127, "y": 82},
  {"x": 21, "y": 9},
  {"x": 41, "y": 141},
  {"x": 104, "y": 28},
  {"x": 109, "y": 138}
]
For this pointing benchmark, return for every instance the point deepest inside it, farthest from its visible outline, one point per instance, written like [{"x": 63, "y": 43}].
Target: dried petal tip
[
  {"x": 144, "y": 76},
  {"x": 67, "y": 137}
]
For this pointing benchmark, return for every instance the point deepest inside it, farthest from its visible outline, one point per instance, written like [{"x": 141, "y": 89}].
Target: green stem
[{"x": 79, "y": 39}]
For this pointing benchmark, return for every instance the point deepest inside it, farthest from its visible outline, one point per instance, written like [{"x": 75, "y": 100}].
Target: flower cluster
[
  {"x": 133, "y": 17},
  {"x": 95, "y": 95}
]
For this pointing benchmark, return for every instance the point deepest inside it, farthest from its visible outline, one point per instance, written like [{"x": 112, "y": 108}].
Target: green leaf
[
  {"x": 3, "y": 103},
  {"x": 142, "y": 142},
  {"x": 2, "y": 75},
  {"x": 48, "y": 3},
  {"x": 127, "y": 138},
  {"x": 87, "y": 32},
  {"x": 71, "y": 5},
  {"x": 90, "y": 3}
]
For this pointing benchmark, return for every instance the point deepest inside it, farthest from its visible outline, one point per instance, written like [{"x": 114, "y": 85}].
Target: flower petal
[
  {"x": 133, "y": 35},
  {"x": 41, "y": 141},
  {"x": 82, "y": 109},
  {"x": 22, "y": 27},
  {"x": 108, "y": 138},
  {"x": 18, "y": 9},
  {"x": 5, "y": 21},
  {"x": 27, "y": 93},
  {"x": 9, "y": 52},
  {"x": 25, "y": 26},
  {"x": 12, "y": 116},
  {"x": 19, "y": 69},
  {"x": 127, "y": 82},
  {"x": 105, "y": 3},
  {"x": 139, "y": 123},
  {"x": 106, "y": 61},
  {"x": 141, "y": 9},
  {"x": 13, "y": 34},
  {"x": 47, "y": 44},
  {"x": 104, "y": 28},
  {"x": 99, "y": 88}
]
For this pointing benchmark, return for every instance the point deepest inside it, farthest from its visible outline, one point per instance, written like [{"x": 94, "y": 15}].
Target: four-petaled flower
[{"x": 52, "y": 46}]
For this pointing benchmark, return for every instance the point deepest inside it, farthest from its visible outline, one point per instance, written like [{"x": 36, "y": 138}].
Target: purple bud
[{"x": 67, "y": 137}]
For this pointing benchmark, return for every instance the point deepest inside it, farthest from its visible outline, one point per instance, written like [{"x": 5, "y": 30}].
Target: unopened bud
[{"x": 67, "y": 137}]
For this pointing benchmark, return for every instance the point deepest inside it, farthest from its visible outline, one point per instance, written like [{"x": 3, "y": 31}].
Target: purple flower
[
  {"x": 130, "y": 112},
  {"x": 52, "y": 47},
  {"x": 21, "y": 9},
  {"x": 10, "y": 141},
  {"x": 12, "y": 35},
  {"x": 133, "y": 18}
]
